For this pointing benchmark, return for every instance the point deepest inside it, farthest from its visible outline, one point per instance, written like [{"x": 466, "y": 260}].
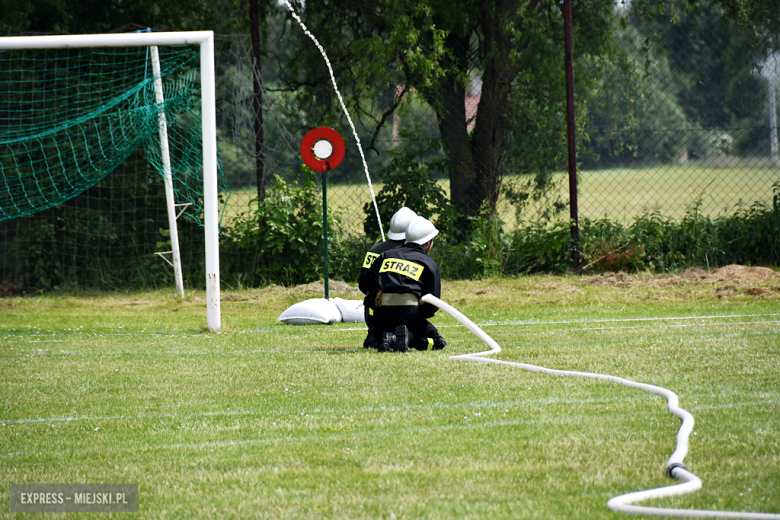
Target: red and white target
[{"x": 322, "y": 149}]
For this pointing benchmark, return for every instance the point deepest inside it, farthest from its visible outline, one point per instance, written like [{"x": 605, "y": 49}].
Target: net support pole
[
  {"x": 210, "y": 188},
  {"x": 325, "y": 227},
  {"x": 570, "y": 127},
  {"x": 772, "y": 124},
  {"x": 165, "y": 153}
]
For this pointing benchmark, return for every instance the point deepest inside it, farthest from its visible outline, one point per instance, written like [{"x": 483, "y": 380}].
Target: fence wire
[
  {"x": 708, "y": 146},
  {"x": 684, "y": 123}
]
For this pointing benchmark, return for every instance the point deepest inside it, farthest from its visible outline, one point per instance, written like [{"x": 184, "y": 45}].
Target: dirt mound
[
  {"x": 316, "y": 289},
  {"x": 731, "y": 280},
  {"x": 730, "y": 274},
  {"x": 335, "y": 286},
  {"x": 741, "y": 272},
  {"x": 694, "y": 273},
  {"x": 619, "y": 279}
]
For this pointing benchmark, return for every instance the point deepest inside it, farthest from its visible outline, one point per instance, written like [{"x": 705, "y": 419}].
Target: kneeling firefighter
[
  {"x": 395, "y": 238},
  {"x": 401, "y": 277}
]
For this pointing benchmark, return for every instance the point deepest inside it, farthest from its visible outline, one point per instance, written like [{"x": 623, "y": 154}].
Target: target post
[{"x": 322, "y": 150}]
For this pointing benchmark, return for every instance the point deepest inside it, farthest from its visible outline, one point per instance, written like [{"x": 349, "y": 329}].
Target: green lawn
[
  {"x": 619, "y": 194},
  {"x": 276, "y": 421}
]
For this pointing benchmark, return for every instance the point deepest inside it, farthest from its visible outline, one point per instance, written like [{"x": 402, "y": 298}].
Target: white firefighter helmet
[
  {"x": 420, "y": 231},
  {"x": 399, "y": 222}
]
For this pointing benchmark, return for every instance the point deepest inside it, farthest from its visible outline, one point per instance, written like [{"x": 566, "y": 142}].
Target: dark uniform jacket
[
  {"x": 406, "y": 269},
  {"x": 365, "y": 280}
]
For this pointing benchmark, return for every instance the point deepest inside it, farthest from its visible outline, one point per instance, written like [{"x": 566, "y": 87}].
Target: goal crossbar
[{"x": 205, "y": 39}]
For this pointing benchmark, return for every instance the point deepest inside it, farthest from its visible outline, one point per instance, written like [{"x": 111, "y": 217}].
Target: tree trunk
[
  {"x": 475, "y": 161},
  {"x": 488, "y": 137},
  {"x": 448, "y": 100},
  {"x": 487, "y": 140},
  {"x": 257, "y": 100},
  {"x": 460, "y": 161}
]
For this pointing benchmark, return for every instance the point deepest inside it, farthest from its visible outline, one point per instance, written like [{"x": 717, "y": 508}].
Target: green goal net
[{"x": 69, "y": 117}]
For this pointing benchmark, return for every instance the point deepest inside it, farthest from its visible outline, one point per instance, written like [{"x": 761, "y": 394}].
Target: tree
[
  {"x": 99, "y": 16},
  {"x": 761, "y": 18},
  {"x": 714, "y": 48},
  {"x": 436, "y": 48},
  {"x": 711, "y": 58}
]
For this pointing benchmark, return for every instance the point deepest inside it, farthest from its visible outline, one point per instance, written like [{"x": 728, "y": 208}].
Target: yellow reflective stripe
[
  {"x": 430, "y": 343},
  {"x": 369, "y": 260},
  {"x": 404, "y": 267},
  {"x": 370, "y": 311}
]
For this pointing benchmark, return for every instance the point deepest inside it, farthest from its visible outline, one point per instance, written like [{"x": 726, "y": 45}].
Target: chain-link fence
[
  {"x": 681, "y": 121},
  {"x": 697, "y": 133}
]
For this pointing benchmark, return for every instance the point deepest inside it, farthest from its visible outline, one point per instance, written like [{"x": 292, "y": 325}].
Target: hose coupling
[{"x": 671, "y": 467}]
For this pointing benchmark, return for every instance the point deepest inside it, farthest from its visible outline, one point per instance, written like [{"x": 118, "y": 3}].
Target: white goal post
[{"x": 205, "y": 39}]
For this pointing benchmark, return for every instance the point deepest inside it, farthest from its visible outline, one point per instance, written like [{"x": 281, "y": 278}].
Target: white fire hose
[{"x": 674, "y": 466}]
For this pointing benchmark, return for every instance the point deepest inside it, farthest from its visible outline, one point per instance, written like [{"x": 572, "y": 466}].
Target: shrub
[
  {"x": 346, "y": 254},
  {"x": 541, "y": 247},
  {"x": 409, "y": 180},
  {"x": 483, "y": 252},
  {"x": 281, "y": 242},
  {"x": 749, "y": 236}
]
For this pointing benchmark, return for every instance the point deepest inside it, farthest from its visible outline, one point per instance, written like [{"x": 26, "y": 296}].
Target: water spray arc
[
  {"x": 343, "y": 107},
  {"x": 674, "y": 466}
]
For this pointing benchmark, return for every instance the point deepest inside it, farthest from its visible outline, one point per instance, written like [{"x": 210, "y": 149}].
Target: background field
[
  {"x": 275, "y": 421},
  {"x": 621, "y": 194}
]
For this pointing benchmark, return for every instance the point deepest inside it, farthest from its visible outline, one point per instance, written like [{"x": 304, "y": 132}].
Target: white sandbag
[
  {"x": 352, "y": 311},
  {"x": 311, "y": 312}
]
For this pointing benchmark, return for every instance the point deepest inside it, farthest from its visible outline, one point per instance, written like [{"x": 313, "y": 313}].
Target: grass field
[
  {"x": 618, "y": 194},
  {"x": 268, "y": 420}
]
